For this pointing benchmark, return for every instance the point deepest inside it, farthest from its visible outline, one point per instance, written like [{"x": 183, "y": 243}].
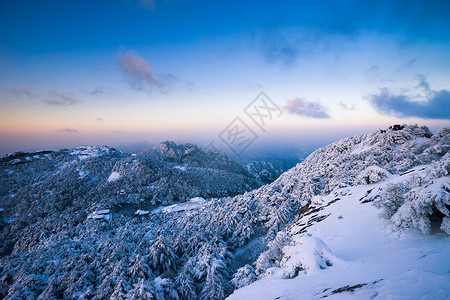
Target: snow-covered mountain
[
  {"x": 66, "y": 185},
  {"x": 265, "y": 171},
  {"x": 343, "y": 209},
  {"x": 339, "y": 246}
]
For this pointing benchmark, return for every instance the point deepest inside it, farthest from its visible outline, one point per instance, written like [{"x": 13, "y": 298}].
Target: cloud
[
  {"x": 346, "y": 107},
  {"x": 95, "y": 91},
  {"x": 372, "y": 73},
  {"x": 58, "y": 98},
  {"x": 435, "y": 106},
  {"x": 139, "y": 74},
  {"x": 102, "y": 91},
  {"x": 427, "y": 104},
  {"x": 423, "y": 83},
  {"x": 67, "y": 130},
  {"x": 116, "y": 131},
  {"x": 278, "y": 47},
  {"x": 18, "y": 91},
  {"x": 53, "y": 97},
  {"x": 99, "y": 120},
  {"x": 309, "y": 28},
  {"x": 306, "y": 108}
]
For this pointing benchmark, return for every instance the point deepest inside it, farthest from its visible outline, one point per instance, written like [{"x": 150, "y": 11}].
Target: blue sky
[{"x": 117, "y": 72}]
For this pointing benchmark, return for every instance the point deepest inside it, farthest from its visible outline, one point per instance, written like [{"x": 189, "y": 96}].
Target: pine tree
[
  {"x": 162, "y": 257},
  {"x": 142, "y": 290}
]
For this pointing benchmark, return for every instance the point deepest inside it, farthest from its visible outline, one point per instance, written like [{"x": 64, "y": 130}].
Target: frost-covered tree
[
  {"x": 161, "y": 256},
  {"x": 279, "y": 215},
  {"x": 425, "y": 198},
  {"x": 216, "y": 282},
  {"x": 391, "y": 198},
  {"x": 185, "y": 282},
  {"x": 141, "y": 291},
  {"x": 372, "y": 174},
  {"x": 120, "y": 292},
  {"x": 244, "y": 276},
  {"x": 165, "y": 289},
  {"x": 140, "y": 270},
  {"x": 272, "y": 256}
]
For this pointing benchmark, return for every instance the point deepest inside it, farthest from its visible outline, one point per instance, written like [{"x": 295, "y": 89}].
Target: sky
[{"x": 226, "y": 74}]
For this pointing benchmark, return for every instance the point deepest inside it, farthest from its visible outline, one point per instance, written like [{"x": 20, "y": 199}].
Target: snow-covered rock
[
  {"x": 306, "y": 254},
  {"x": 114, "y": 176}
]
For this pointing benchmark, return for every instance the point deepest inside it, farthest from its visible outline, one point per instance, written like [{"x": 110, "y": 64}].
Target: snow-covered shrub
[
  {"x": 421, "y": 203},
  {"x": 391, "y": 198},
  {"x": 306, "y": 254},
  {"x": 271, "y": 257},
  {"x": 426, "y": 197},
  {"x": 244, "y": 276},
  {"x": 372, "y": 174}
]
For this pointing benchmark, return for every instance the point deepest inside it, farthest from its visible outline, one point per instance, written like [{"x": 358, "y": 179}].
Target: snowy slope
[{"x": 341, "y": 248}]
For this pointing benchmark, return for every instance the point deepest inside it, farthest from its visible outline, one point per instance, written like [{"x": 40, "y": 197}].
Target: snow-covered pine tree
[
  {"x": 216, "y": 284},
  {"x": 244, "y": 276},
  {"x": 141, "y": 291},
  {"x": 161, "y": 256},
  {"x": 185, "y": 281}
]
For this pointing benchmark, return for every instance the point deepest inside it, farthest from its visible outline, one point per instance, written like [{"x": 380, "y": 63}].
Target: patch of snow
[
  {"x": 114, "y": 176},
  {"x": 141, "y": 212},
  {"x": 191, "y": 204},
  {"x": 199, "y": 200},
  {"x": 85, "y": 152},
  {"x": 360, "y": 148},
  {"x": 15, "y": 161},
  {"x": 82, "y": 174},
  {"x": 181, "y": 168}
]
